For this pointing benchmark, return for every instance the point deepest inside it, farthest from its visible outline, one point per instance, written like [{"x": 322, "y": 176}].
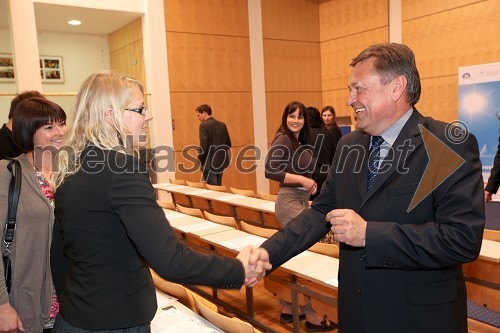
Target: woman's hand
[
  {"x": 9, "y": 320},
  {"x": 310, "y": 185}
]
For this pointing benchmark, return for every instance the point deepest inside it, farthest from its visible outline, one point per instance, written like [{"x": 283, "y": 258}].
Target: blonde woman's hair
[{"x": 99, "y": 92}]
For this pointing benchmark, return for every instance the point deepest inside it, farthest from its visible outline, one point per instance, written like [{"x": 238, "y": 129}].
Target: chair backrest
[
  {"x": 331, "y": 250},
  {"x": 190, "y": 211},
  {"x": 247, "y": 193},
  {"x": 177, "y": 181},
  {"x": 267, "y": 196},
  {"x": 220, "y": 188},
  {"x": 195, "y": 184},
  {"x": 166, "y": 204},
  {"x": 491, "y": 234},
  {"x": 227, "y": 324},
  {"x": 185, "y": 296},
  {"x": 256, "y": 230},
  {"x": 226, "y": 220}
]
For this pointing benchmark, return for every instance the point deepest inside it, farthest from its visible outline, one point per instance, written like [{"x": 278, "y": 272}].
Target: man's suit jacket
[
  {"x": 214, "y": 145},
  {"x": 108, "y": 231},
  {"x": 494, "y": 180},
  {"x": 409, "y": 276}
]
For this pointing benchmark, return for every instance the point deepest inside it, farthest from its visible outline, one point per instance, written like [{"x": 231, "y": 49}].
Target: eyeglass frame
[{"x": 142, "y": 110}]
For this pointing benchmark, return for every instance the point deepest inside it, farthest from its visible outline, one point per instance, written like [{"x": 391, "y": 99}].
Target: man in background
[
  {"x": 494, "y": 180},
  {"x": 215, "y": 144},
  {"x": 7, "y": 145}
]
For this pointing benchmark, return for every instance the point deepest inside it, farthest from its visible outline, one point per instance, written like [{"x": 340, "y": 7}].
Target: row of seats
[
  {"x": 280, "y": 290},
  {"x": 225, "y": 220},
  {"x": 222, "y": 188},
  {"x": 202, "y": 306}
]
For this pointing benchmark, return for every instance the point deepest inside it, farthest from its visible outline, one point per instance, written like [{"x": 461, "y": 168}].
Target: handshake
[{"x": 255, "y": 262}]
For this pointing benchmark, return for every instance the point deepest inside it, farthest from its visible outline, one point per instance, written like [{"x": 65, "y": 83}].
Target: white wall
[{"x": 82, "y": 55}]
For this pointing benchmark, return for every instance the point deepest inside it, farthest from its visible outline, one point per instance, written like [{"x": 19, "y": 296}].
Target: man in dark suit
[
  {"x": 7, "y": 146},
  {"x": 400, "y": 260},
  {"x": 215, "y": 145},
  {"x": 494, "y": 179}
]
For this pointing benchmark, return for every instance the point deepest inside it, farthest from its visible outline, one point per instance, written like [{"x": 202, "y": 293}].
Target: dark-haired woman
[
  {"x": 39, "y": 127},
  {"x": 290, "y": 162},
  {"x": 328, "y": 116}
]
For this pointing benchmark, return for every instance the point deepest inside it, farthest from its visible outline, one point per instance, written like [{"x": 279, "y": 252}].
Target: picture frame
[
  {"x": 51, "y": 69},
  {"x": 7, "y": 73}
]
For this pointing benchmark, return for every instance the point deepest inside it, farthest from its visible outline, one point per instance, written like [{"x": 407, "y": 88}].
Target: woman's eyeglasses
[{"x": 142, "y": 110}]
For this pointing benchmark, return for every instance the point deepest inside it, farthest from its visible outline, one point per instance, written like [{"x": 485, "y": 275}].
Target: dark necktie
[{"x": 373, "y": 159}]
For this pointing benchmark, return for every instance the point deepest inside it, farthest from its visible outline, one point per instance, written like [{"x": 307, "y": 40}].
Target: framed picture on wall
[
  {"x": 6, "y": 68},
  {"x": 51, "y": 69}
]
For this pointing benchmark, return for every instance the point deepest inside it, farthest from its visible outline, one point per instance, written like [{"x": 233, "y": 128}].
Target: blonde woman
[{"x": 108, "y": 229}]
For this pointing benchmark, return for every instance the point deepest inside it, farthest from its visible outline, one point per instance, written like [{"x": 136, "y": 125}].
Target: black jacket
[
  {"x": 108, "y": 230},
  {"x": 7, "y": 146},
  {"x": 214, "y": 145},
  {"x": 411, "y": 266}
]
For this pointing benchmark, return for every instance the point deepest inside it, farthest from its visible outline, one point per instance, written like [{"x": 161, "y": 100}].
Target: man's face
[
  {"x": 371, "y": 101},
  {"x": 201, "y": 116}
]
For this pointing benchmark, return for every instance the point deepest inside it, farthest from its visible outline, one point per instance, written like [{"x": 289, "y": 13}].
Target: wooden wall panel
[
  {"x": 217, "y": 17},
  {"x": 292, "y": 66},
  {"x": 127, "y": 35},
  {"x": 129, "y": 60},
  {"x": 336, "y": 55},
  {"x": 126, "y": 51},
  {"x": 340, "y": 18},
  {"x": 234, "y": 109},
  {"x": 233, "y": 176},
  {"x": 290, "y": 20},
  {"x": 411, "y": 9},
  {"x": 439, "y": 98},
  {"x": 276, "y": 103},
  {"x": 208, "y": 63},
  {"x": 446, "y": 40},
  {"x": 338, "y": 98},
  {"x": 459, "y": 37}
]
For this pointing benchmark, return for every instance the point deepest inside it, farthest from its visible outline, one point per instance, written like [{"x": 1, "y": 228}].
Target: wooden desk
[
  {"x": 318, "y": 268},
  {"x": 242, "y": 207},
  {"x": 172, "y": 317},
  {"x": 490, "y": 251},
  {"x": 194, "y": 225}
]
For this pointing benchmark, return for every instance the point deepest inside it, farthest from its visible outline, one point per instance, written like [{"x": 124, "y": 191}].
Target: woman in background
[
  {"x": 39, "y": 126},
  {"x": 324, "y": 145},
  {"x": 290, "y": 162},
  {"x": 108, "y": 229},
  {"x": 328, "y": 116}
]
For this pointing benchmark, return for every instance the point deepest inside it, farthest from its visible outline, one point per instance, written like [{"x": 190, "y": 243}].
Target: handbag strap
[{"x": 14, "y": 191}]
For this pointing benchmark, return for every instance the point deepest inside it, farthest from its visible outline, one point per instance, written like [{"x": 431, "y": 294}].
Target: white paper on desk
[
  {"x": 230, "y": 197},
  {"x": 303, "y": 254},
  {"x": 269, "y": 206},
  {"x": 334, "y": 282},
  {"x": 164, "y": 300},
  {"x": 199, "y": 226},
  {"x": 171, "y": 320},
  {"x": 174, "y": 215},
  {"x": 160, "y": 185},
  {"x": 199, "y": 191},
  {"x": 240, "y": 243}
]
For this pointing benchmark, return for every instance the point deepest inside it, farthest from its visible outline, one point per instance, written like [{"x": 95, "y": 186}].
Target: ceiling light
[{"x": 74, "y": 22}]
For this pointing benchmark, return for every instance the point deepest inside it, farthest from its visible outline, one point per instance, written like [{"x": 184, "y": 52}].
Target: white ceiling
[{"x": 50, "y": 17}]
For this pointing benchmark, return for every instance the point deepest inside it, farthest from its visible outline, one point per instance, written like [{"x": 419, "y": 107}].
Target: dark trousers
[
  {"x": 211, "y": 177},
  {"x": 62, "y": 326}
]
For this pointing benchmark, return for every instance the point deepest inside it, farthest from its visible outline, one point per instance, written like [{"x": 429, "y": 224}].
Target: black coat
[
  {"x": 108, "y": 231},
  {"x": 408, "y": 278}
]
